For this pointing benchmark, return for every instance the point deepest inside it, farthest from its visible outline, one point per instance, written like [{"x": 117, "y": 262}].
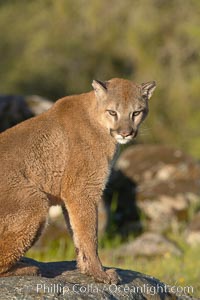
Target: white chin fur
[{"x": 123, "y": 141}]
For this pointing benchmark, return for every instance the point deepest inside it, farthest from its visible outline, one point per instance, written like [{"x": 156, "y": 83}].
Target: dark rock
[
  {"x": 149, "y": 244},
  {"x": 60, "y": 280},
  {"x": 119, "y": 195},
  {"x": 13, "y": 110}
]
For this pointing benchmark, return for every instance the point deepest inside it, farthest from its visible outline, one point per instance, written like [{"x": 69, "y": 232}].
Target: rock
[
  {"x": 120, "y": 195},
  {"x": 38, "y": 104},
  {"x": 165, "y": 183},
  {"x": 149, "y": 244},
  {"x": 13, "y": 110},
  {"x": 193, "y": 230},
  {"x": 60, "y": 280},
  {"x": 165, "y": 209}
]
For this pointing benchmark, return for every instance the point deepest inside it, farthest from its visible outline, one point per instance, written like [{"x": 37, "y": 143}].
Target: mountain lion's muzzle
[{"x": 124, "y": 135}]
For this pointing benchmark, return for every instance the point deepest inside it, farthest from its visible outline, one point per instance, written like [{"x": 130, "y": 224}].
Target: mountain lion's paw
[
  {"x": 109, "y": 277},
  {"x": 114, "y": 277}
]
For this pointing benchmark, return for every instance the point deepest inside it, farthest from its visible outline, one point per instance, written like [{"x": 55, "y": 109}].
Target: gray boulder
[
  {"x": 61, "y": 280},
  {"x": 165, "y": 184},
  {"x": 15, "y": 109},
  {"x": 148, "y": 244}
]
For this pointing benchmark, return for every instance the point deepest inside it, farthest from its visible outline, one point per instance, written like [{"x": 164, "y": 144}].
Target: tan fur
[{"x": 63, "y": 157}]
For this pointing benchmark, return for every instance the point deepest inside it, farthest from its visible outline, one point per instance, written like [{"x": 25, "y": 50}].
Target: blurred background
[{"x": 56, "y": 48}]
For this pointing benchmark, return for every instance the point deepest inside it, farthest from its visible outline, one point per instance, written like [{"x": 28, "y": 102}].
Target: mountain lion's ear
[
  {"x": 148, "y": 88},
  {"x": 100, "y": 88}
]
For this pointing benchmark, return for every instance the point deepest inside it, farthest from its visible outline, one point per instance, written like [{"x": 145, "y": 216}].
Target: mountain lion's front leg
[{"x": 83, "y": 220}]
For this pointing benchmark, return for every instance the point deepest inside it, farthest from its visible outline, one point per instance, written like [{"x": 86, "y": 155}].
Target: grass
[
  {"x": 176, "y": 271},
  {"x": 181, "y": 271}
]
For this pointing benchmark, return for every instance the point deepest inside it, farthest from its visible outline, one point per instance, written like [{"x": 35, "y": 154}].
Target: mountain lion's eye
[
  {"x": 112, "y": 113},
  {"x": 136, "y": 113}
]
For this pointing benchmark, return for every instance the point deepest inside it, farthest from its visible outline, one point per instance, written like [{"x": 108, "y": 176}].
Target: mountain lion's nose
[{"x": 126, "y": 133}]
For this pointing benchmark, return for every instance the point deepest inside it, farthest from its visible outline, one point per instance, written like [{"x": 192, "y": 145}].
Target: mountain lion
[{"x": 63, "y": 157}]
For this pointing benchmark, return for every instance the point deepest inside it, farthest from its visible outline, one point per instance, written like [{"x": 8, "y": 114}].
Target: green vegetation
[{"x": 54, "y": 48}]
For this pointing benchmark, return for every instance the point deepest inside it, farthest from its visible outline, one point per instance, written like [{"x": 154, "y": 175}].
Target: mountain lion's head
[{"x": 122, "y": 105}]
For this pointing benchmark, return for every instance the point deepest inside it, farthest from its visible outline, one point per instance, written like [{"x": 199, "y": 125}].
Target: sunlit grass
[{"x": 57, "y": 250}]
